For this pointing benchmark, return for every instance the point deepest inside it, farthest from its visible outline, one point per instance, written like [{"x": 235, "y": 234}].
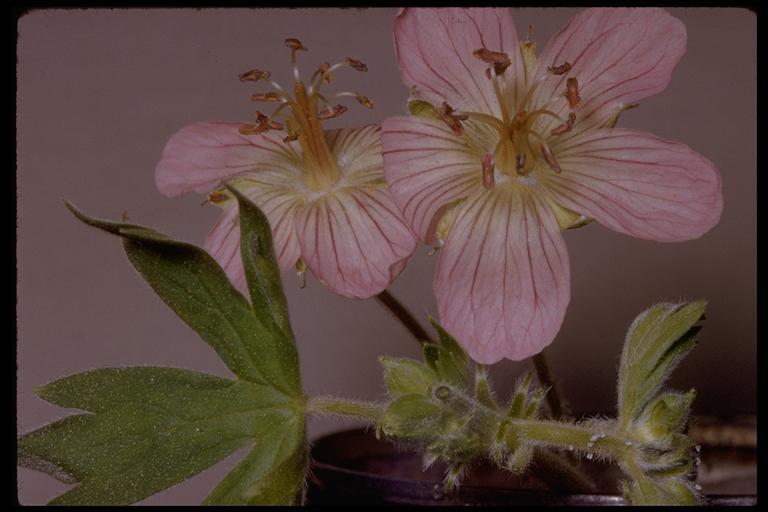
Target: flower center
[
  {"x": 521, "y": 147},
  {"x": 302, "y": 114}
]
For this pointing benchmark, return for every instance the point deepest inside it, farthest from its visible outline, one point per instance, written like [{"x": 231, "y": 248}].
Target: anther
[
  {"x": 295, "y": 44},
  {"x": 572, "y": 92},
  {"x": 499, "y": 60},
  {"x": 255, "y": 75},
  {"x": 356, "y": 64},
  {"x": 490, "y": 57},
  {"x": 488, "y": 179},
  {"x": 253, "y": 129},
  {"x": 217, "y": 197},
  {"x": 266, "y": 96},
  {"x": 452, "y": 118},
  {"x": 364, "y": 101},
  {"x": 561, "y": 69},
  {"x": 549, "y": 158},
  {"x": 268, "y": 122},
  {"x": 566, "y": 126},
  {"x": 323, "y": 70},
  {"x": 330, "y": 113}
]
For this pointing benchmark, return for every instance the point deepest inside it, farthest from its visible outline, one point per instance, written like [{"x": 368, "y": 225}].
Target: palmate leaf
[
  {"x": 148, "y": 429},
  {"x": 196, "y": 288}
]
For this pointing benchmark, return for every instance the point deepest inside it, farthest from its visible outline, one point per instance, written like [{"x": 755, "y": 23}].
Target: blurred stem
[
  {"x": 554, "y": 401},
  {"x": 406, "y": 318},
  {"x": 339, "y": 406}
]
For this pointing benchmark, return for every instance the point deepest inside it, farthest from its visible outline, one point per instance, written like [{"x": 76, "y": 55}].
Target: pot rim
[{"x": 467, "y": 493}]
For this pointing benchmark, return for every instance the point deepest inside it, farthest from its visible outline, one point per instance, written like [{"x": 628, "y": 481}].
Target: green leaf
[
  {"x": 657, "y": 341},
  {"x": 421, "y": 108},
  {"x": 272, "y": 473},
  {"x": 195, "y": 287},
  {"x": 147, "y": 429},
  {"x": 405, "y": 376},
  {"x": 261, "y": 269}
]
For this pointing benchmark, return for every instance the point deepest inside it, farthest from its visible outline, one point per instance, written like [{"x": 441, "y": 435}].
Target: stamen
[
  {"x": 488, "y": 179},
  {"x": 561, "y": 69},
  {"x": 452, "y": 118},
  {"x": 292, "y": 132},
  {"x": 566, "y": 126},
  {"x": 356, "y": 65},
  {"x": 217, "y": 197},
  {"x": 267, "y": 121},
  {"x": 490, "y": 57},
  {"x": 295, "y": 44},
  {"x": 572, "y": 92},
  {"x": 323, "y": 71},
  {"x": 330, "y": 113},
  {"x": 499, "y": 61},
  {"x": 255, "y": 75},
  {"x": 549, "y": 157},
  {"x": 253, "y": 129},
  {"x": 364, "y": 101},
  {"x": 267, "y": 96}
]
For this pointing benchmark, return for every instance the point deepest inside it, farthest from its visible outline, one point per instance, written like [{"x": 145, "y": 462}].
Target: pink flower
[
  {"x": 323, "y": 191},
  {"x": 518, "y": 148}
]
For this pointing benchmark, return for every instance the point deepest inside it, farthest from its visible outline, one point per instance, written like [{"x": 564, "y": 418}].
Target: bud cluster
[{"x": 434, "y": 407}]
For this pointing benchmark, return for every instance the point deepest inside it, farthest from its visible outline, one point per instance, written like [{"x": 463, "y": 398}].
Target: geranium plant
[{"x": 503, "y": 149}]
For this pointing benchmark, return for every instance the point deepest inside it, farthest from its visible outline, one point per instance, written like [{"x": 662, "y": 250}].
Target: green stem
[
  {"x": 406, "y": 318},
  {"x": 554, "y": 401},
  {"x": 572, "y": 437},
  {"x": 363, "y": 410}
]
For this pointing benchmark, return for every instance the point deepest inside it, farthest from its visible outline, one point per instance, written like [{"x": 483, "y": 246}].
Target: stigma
[{"x": 300, "y": 111}]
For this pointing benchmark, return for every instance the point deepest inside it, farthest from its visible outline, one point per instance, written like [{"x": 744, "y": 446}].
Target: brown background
[{"x": 100, "y": 92}]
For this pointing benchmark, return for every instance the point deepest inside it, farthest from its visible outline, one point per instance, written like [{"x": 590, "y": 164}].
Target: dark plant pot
[{"x": 354, "y": 468}]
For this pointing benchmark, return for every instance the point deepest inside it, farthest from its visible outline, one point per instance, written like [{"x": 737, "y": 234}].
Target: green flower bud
[
  {"x": 407, "y": 376},
  {"x": 412, "y": 418},
  {"x": 665, "y": 415}
]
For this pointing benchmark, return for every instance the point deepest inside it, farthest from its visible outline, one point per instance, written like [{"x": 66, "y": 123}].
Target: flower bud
[
  {"x": 411, "y": 418},
  {"x": 665, "y": 415},
  {"x": 407, "y": 376}
]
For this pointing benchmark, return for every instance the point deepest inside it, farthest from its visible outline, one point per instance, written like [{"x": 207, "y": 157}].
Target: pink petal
[
  {"x": 357, "y": 152},
  {"x": 427, "y": 167},
  {"x": 354, "y": 240},
  {"x": 223, "y": 244},
  {"x": 198, "y": 157},
  {"x": 434, "y": 50},
  {"x": 503, "y": 280},
  {"x": 638, "y": 184},
  {"x": 618, "y": 56}
]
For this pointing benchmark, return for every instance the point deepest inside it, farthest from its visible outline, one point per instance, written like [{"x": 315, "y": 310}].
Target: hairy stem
[
  {"x": 555, "y": 403},
  {"x": 572, "y": 436},
  {"x": 406, "y": 318},
  {"x": 363, "y": 410}
]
